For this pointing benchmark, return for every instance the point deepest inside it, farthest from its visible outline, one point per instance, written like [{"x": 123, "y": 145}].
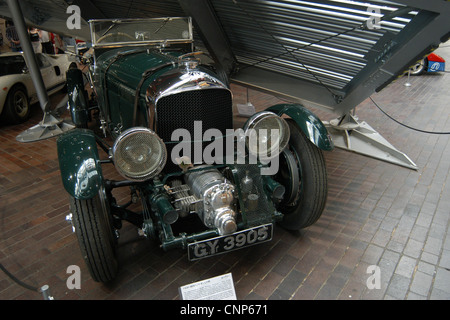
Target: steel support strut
[
  {"x": 353, "y": 135},
  {"x": 50, "y": 125}
]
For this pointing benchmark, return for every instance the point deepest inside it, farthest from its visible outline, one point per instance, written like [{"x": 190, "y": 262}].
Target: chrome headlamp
[
  {"x": 139, "y": 154},
  {"x": 267, "y": 134}
]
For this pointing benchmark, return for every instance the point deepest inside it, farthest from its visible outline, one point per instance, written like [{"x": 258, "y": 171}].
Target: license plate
[{"x": 223, "y": 244}]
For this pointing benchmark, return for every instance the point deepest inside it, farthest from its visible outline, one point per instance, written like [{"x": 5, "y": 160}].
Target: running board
[{"x": 359, "y": 137}]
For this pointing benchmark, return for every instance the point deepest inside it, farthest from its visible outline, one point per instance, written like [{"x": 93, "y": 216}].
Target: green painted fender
[
  {"x": 308, "y": 122},
  {"x": 79, "y": 163}
]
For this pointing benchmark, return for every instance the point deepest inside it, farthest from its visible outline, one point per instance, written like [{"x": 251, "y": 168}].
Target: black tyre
[
  {"x": 303, "y": 174},
  {"x": 96, "y": 236},
  {"x": 17, "y": 106},
  {"x": 419, "y": 68},
  {"x": 73, "y": 65}
]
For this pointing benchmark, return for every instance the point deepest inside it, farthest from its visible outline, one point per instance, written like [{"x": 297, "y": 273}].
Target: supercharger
[{"x": 210, "y": 195}]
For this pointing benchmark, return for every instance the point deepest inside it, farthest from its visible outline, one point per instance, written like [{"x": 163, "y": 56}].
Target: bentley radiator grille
[{"x": 213, "y": 107}]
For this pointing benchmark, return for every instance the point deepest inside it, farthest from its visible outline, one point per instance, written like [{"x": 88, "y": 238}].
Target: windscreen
[{"x": 141, "y": 31}]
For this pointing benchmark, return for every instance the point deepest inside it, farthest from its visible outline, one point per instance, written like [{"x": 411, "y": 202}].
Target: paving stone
[
  {"x": 421, "y": 283},
  {"x": 413, "y": 248},
  {"x": 445, "y": 259},
  {"x": 291, "y": 282},
  {"x": 438, "y": 294},
  {"x": 426, "y": 268},
  {"x": 415, "y": 296},
  {"x": 373, "y": 254},
  {"x": 398, "y": 287},
  {"x": 406, "y": 266},
  {"x": 442, "y": 280},
  {"x": 433, "y": 245},
  {"x": 429, "y": 258}
]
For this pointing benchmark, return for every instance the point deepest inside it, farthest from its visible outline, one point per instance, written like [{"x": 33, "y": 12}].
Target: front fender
[
  {"x": 308, "y": 122},
  {"x": 78, "y": 102},
  {"x": 79, "y": 163}
]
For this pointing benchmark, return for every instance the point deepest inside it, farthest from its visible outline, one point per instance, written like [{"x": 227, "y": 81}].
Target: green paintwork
[
  {"x": 274, "y": 189},
  {"x": 128, "y": 65},
  {"x": 124, "y": 70},
  {"x": 308, "y": 122},
  {"x": 79, "y": 163},
  {"x": 165, "y": 209},
  {"x": 183, "y": 240}
]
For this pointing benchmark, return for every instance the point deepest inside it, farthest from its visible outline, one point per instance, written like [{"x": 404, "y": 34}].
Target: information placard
[{"x": 217, "y": 288}]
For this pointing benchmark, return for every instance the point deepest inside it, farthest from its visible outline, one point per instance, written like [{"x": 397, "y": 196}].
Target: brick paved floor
[{"x": 377, "y": 214}]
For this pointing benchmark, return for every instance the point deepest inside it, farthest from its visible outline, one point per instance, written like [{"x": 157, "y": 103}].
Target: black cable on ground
[
  {"x": 405, "y": 125},
  {"x": 21, "y": 283}
]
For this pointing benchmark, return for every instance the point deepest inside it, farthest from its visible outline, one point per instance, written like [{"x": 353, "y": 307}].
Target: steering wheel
[{"x": 117, "y": 35}]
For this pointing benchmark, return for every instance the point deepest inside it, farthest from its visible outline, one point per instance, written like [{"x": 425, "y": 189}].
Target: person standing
[
  {"x": 59, "y": 44},
  {"x": 13, "y": 37},
  {"x": 35, "y": 40},
  {"x": 47, "y": 45}
]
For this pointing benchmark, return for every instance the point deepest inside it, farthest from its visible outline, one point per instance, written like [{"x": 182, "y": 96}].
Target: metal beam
[
  {"x": 438, "y": 6},
  {"x": 50, "y": 126},
  {"x": 285, "y": 87},
  {"x": 422, "y": 34},
  {"x": 210, "y": 30},
  {"x": 28, "y": 53}
]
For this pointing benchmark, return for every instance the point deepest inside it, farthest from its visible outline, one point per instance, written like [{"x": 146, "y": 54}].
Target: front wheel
[
  {"x": 303, "y": 174},
  {"x": 17, "y": 105},
  {"x": 96, "y": 236}
]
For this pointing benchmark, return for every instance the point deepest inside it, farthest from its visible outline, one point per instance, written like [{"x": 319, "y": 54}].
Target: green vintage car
[{"x": 202, "y": 185}]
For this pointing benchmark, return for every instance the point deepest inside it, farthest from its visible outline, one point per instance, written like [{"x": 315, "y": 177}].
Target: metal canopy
[
  {"x": 333, "y": 54},
  {"x": 330, "y": 53}
]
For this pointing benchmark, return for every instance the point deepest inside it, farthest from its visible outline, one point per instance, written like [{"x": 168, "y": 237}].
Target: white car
[{"x": 17, "y": 91}]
